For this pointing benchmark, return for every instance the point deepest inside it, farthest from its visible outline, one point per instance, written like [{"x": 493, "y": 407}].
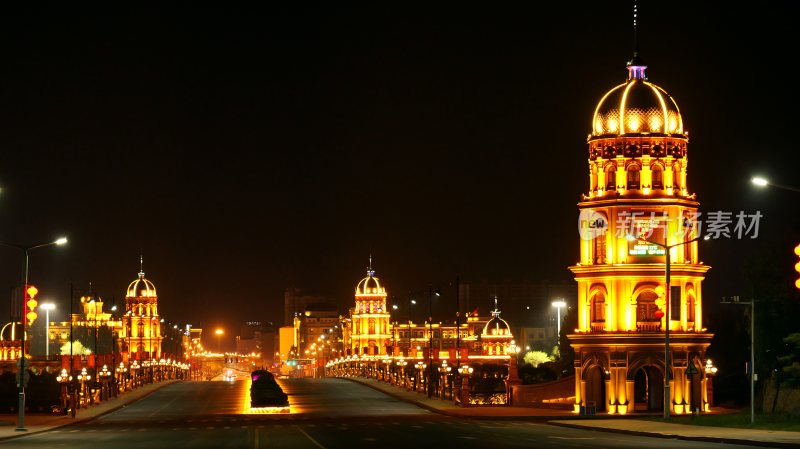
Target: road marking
[
  {"x": 467, "y": 438},
  {"x": 570, "y": 438},
  {"x": 309, "y": 438}
]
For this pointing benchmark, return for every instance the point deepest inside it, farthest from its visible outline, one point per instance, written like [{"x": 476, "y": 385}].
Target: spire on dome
[
  {"x": 636, "y": 65},
  {"x": 496, "y": 311},
  {"x": 370, "y": 271},
  {"x": 141, "y": 266}
]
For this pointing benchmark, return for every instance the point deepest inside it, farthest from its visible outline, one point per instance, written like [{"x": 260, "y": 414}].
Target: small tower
[
  {"x": 141, "y": 321},
  {"x": 370, "y": 333},
  {"x": 637, "y": 204},
  {"x": 496, "y": 337}
]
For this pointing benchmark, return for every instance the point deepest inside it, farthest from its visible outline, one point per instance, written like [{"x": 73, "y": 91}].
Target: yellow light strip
[
  {"x": 602, "y": 100},
  {"x": 622, "y": 107},
  {"x": 663, "y": 106}
]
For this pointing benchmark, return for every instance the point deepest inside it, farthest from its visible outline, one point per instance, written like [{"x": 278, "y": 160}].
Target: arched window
[
  {"x": 599, "y": 248},
  {"x": 633, "y": 177},
  {"x": 611, "y": 178},
  {"x": 598, "y": 308},
  {"x": 676, "y": 176},
  {"x": 646, "y": 306},
  {"x": 690, "y": 309},
  {"x": 658, "y": 176},
  {"x": 371, "y": 326}
]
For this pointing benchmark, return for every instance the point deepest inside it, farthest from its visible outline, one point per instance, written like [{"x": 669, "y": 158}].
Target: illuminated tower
[
  {"x": 638, "y": 195},
  {"x": 370, "y": 333},
  {"x": 143, "y": 326}
]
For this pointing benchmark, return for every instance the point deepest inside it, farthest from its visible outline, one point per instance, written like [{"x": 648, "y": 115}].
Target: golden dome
[
  {"x": 12, "y": 332},
  {"x": 370, "y": 285},
  {"x": 141, "y": 288},
  {"x": 636, "y": 107}
]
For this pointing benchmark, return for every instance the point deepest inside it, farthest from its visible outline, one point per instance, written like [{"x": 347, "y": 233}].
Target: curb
[
  {"x": 681, "y": 437},
  {"x": 456, "y": 415},
  {"x": 78, "y": 420}
]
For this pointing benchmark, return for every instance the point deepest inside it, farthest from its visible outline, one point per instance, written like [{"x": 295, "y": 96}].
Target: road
[{"x": 324, "y": 413}]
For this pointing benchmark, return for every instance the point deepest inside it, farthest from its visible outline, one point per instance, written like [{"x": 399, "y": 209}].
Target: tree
[
  {"x": 77, "y": 349},
  {"x": 536, "y": 358}
]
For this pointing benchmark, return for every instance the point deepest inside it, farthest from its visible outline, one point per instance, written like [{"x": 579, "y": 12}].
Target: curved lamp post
[
  {"x": 667, "y": 265},
  {"x": 25, "y": 250}
]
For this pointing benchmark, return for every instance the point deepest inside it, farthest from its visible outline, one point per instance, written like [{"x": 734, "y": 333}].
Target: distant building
[
  {"x": 260, "y": 339},
  {"x": 295, "y": 303},
  {"x": 526, "y": 305}
]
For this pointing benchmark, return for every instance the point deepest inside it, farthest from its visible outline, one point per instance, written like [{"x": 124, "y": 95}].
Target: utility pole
[{"x": 752, "y": 370}]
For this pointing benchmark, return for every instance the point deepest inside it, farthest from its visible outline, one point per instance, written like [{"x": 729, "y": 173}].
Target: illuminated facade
[
  {"x": 142, "y": 337},
  {"x": 638, "y": 195},
  {"x": 368, "y": 330}
]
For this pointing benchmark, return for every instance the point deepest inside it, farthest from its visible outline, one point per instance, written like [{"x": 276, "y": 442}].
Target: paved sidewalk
[
  {"x": 619, "y": 424},
  {"x": 41, "y": 422},
  {"x": 450, "y": 409}
]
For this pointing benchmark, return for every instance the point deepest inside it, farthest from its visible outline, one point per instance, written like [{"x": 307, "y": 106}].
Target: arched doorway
[
  {"x": 648, "y": 389},
  {"x": 596, "y": 388}
]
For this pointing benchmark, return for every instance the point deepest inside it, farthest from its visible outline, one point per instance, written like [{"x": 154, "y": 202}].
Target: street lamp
[
  {"x": 762, "y": 182},
  {"x": 26, "y": 250},
  {"x": 667, "y": 264},
  {"x": 430, "y": 337},
  {"x": 219, "y": 333},
  {"x": 558, "y": 305},
  {"x": 47, "y": 307}
]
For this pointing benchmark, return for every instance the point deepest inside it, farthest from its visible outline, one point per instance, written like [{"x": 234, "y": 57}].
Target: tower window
[
  {"x": 676, "y": 176},
  {"x": 600, "y": 248},
  {"x": 598, "y": 308},
  {"x": 646, "y": 307},
  {"x": 633, "y": 177},
  {"x": 690, "y": 309},
  {"x": 611, "y": 178},
  {"x": 658, "y": 176}
]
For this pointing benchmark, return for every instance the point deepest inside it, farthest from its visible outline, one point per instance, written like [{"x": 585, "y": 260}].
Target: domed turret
[
  {"x": 636, "y": 107},
  {"x": 11, "y": 331},
  {"x": 141, "y": 288},
  {"x": 369, "y": 285}
]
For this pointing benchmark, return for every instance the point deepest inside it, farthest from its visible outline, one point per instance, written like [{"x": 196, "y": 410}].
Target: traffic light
[
  {"x": 797, "y": 266},
  {"x": 30, "y": 303}
]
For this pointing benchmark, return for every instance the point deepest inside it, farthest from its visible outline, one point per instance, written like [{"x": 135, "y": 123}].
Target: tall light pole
[
  {"x": 25, "y": 250},
  {"x": 219, "y": 333},
  {"x": 667, "y": 264},
  {"x": 47, "y": 307},
  {"x": 558, "y": 305},
  {"x": 430, "y": 338},
  {"x": 752, "y": 304}
]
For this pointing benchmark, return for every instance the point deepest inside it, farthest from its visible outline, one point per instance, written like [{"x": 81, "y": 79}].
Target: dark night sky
[{"x": 245, "y": 151}]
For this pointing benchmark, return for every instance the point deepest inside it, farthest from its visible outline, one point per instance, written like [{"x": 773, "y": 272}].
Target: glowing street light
[
  {"x": 559, "y": 305},
  {"x": 763, "y": 182},
  {"x": 219, "y": 333},
  {"x": 25, "y": 250},
  {"x": 47, "y": 307}
]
